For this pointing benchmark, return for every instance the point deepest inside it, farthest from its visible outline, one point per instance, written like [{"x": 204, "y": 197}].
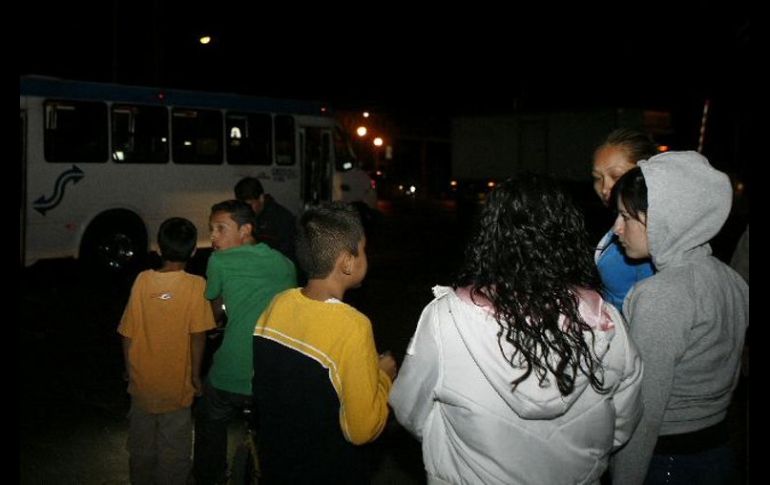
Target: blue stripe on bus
[{"x": 91, "y": 91}]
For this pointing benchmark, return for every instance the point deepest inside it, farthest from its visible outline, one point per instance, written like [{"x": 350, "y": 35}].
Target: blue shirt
[{"x": 618, "y": 272}]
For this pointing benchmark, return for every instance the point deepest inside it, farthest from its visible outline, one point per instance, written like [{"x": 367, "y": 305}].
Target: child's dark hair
[
  {"x": 239, "y": 211},
  {"x": 632, "y": 190},
  {"x": 177, "y": 238},
  {"x": 323, "y": 233}
]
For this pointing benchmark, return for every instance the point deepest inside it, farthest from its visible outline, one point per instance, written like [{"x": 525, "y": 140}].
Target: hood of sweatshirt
[
  {"x": 529, "y": 400},
  {"x": 688, "y": 201}
]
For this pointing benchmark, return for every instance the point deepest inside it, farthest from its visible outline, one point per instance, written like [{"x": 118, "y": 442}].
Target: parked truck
[
  {"x": 489, "y": 149},
  {"x": 560, "y": 144}
]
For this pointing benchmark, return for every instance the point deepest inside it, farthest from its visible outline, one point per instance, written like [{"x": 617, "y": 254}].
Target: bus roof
[{"x": 32, "y": 85}]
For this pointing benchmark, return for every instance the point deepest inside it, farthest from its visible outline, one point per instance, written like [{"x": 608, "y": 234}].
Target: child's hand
[
  {"x": 388, "y": 364},
  {"x": 196, "y": 382}
]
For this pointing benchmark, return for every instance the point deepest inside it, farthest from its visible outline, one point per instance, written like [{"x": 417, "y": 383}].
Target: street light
[{"x": 377, "y": 142}]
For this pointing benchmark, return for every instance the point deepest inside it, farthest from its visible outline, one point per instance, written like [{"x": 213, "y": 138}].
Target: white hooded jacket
[{"x": 454, "y": 394}]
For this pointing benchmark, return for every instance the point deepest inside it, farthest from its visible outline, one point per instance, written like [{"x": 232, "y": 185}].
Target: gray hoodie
[
  {"x": 689, "y": 319},
  {"x": 454, "y": 394}
]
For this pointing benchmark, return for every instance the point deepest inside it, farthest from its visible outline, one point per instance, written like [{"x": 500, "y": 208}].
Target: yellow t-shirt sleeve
[
  {"x": 365, "y": 388},
  {"x": 202, "y": 317},
  {"x": 133, "y": 311}
]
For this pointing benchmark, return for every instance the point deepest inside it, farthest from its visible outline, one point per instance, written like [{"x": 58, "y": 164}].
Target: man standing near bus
[{"x": 275, "y": 223}]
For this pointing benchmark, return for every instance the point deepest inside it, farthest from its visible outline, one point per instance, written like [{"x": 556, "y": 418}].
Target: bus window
[
  {"x": 249, "y": 139},
  {"x": 344, "y": 157},
  {"x": 139, "y": 134},
  {"x": 326, "y": 147},
  {"x": 284, "y": 140},
  {"x": 75, "y": 132},
  {"x": 196, "y": 136},
  {"x": 315, "y": 145}
]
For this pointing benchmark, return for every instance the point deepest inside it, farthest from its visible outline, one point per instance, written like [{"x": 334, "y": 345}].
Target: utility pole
[
  {"x": 157, "y": 43},
  {"x": 114, "y": 41}
]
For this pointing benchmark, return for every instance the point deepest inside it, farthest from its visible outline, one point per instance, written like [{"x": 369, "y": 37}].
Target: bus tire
[{"x": 115, "y": 243}]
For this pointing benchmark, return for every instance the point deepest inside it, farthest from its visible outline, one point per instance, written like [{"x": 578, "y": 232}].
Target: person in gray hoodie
[
  {"x": 689, "y": 320},
  {"x": 521, "y": 373}
]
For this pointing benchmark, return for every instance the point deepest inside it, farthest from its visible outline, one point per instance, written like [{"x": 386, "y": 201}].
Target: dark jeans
[
  {"x": 715, "y": 466},
  {"x": 213, "y": 413}
]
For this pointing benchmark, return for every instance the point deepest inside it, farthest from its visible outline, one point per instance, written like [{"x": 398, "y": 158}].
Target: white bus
[{"x": 104, "y": 164}]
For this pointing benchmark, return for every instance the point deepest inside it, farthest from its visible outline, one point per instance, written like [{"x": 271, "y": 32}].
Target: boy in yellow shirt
[
  {"x": 163, "y": 329},
  {"x": 319, "y": 386}
]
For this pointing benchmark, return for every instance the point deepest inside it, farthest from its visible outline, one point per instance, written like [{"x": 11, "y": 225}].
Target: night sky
[{"x": 446, "y": 62}]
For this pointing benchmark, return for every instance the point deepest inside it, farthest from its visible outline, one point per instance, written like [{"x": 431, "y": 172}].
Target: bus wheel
[{"x": 115, "y": 242}]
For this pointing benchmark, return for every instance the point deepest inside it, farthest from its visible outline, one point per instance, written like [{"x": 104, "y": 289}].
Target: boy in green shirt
[{"x": 243, "y": 276}]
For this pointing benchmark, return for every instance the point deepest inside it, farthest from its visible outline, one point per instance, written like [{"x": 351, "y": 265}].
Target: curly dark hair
[{"x": 528, "y": 255}]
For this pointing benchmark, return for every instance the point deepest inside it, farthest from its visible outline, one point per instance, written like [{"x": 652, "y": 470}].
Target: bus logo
[{"x": 43, "y": 204}]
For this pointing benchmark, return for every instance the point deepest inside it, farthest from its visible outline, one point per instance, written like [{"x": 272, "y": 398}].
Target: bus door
[
  {"x": 23, "y": 173},
  {"x": 315, "y": 145}
]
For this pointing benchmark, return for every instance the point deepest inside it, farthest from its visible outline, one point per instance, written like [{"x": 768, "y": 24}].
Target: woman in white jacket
[{"x": 521, "y": 373}]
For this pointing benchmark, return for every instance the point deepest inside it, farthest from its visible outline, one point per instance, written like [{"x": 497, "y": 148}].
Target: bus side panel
[{"x": 62, "y": 199}]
